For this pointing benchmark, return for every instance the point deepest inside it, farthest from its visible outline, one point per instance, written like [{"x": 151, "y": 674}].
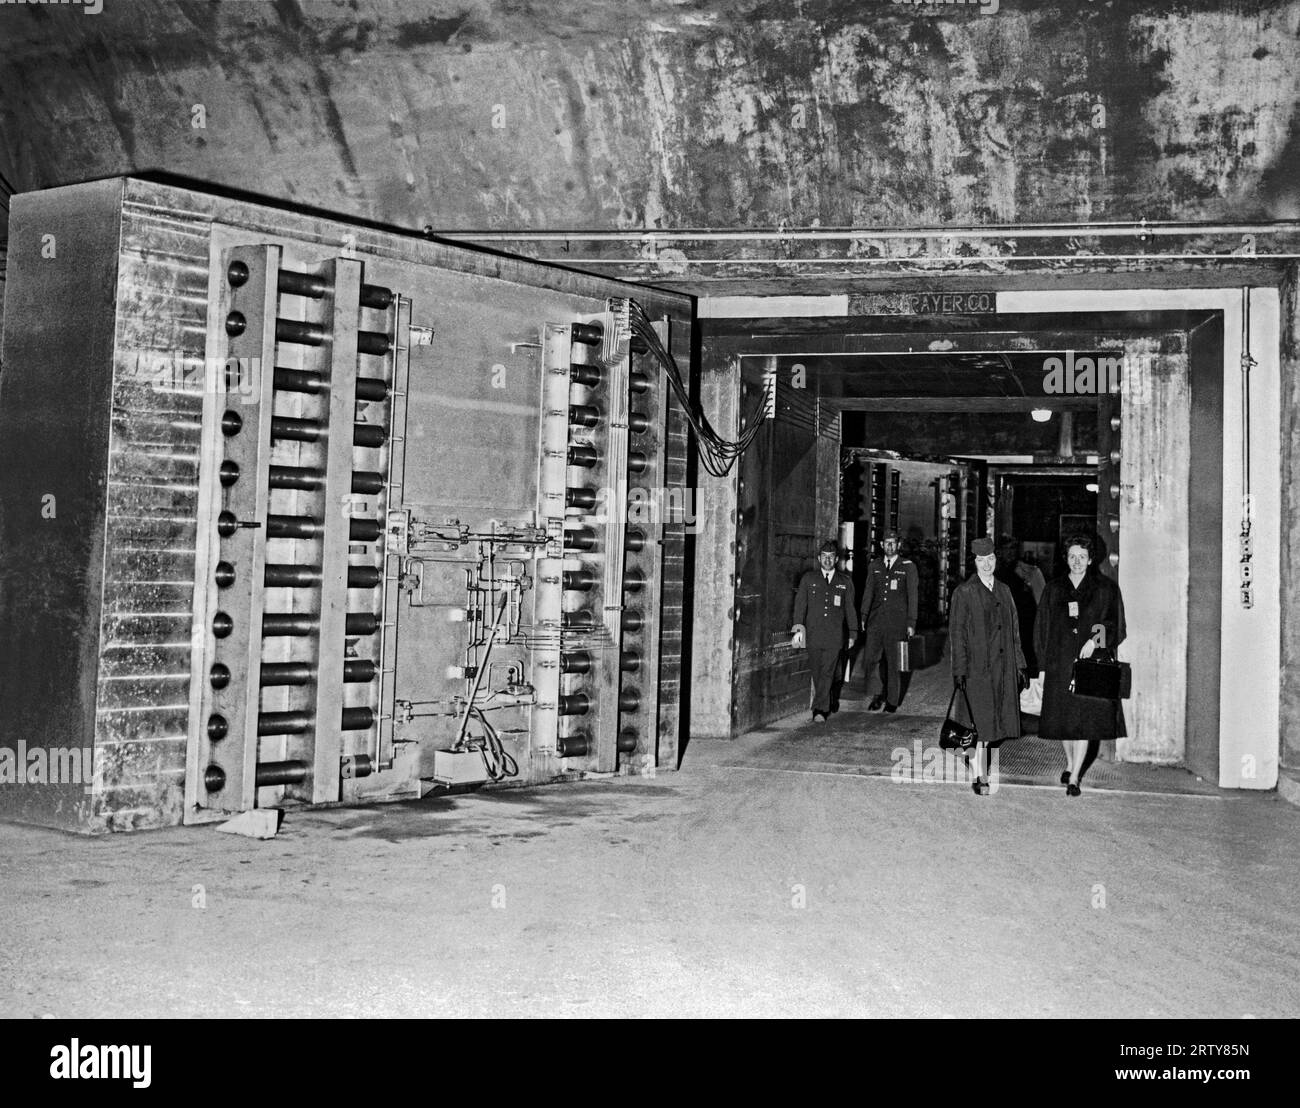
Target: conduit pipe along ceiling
[
  {"x": 1146, "y": 232},
  {"x": 987, "y": 231}
]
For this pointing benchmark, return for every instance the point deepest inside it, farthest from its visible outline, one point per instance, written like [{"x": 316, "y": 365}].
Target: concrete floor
[{"x": 723, "y": 889}]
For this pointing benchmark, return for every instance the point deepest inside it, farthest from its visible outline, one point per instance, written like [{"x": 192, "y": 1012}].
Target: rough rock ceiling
[{"x": 600, "y": 113}]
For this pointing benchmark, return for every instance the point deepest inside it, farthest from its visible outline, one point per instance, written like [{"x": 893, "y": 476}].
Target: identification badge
[
  {"x": 1074, "y": 609},
  {"x": 837, "y": 601},
  {"x": 893, "y": 584}
]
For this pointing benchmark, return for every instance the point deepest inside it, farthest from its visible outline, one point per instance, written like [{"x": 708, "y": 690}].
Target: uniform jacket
[
  {"x": 826, "y": 610},
  {"x": 890, "y": 595},
  {"x": 984, "y": 640}
]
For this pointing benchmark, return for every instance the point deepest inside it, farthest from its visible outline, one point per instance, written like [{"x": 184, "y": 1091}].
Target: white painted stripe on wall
[
  {"x": 1250, "y": 697},
  {"x": 1250, "y": 681},
  {"x": 770, "y": 307}
]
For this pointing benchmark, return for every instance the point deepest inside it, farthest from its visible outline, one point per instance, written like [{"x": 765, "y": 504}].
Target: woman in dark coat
[
  {"x": 987, "y": 660},
  {"x": 1077, "y": 614}
]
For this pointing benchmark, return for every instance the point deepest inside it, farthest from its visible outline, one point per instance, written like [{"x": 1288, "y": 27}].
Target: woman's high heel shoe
[
  {"x": 1073, "y": 790},
  {"x": 1065, "y": 777},
  {"x": 980, "y": 787}
]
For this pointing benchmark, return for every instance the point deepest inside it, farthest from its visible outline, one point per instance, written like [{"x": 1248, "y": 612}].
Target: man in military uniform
[
  {"x": 889, "y": 606},
  {"x": 824, "y": 606}
]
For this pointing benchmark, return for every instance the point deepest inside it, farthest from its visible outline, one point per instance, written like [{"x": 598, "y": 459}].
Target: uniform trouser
[
  {"x": 880, "y": 639},
  {"x": 823, "y": 660}
]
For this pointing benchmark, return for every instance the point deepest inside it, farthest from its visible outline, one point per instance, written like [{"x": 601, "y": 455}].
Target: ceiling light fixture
[{"x": 1041, "y": 415}]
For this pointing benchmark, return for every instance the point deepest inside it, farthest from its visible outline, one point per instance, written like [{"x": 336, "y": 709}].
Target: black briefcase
[
  {"x": 1103, "y": 678},
  {"x": 925, "y": 650}
]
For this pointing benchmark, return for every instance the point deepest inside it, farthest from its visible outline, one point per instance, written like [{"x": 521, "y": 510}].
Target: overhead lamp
[
  {"x": 1091, "y": 486},
  {"x": 1041, "y": 415}
]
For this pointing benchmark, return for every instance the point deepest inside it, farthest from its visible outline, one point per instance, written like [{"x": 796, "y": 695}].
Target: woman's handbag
[
  {"x": 1101, "y": 677},
  {"x": 954, "y": 735}
]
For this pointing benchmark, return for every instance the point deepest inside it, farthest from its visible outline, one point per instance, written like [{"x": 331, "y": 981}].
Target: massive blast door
[{"x": 297, "y": 511}]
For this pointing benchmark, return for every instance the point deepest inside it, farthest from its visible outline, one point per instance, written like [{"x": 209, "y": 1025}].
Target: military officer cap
[
  {"x": 890, "y": 535},
  {"x": 830, "y": 546},
  {"x": 982, "y": 548}
]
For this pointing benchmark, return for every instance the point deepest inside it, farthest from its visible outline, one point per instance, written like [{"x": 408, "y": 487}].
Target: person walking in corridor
[
  {"x": 824, "y": 608},
  {"x": 1019, "y": 579},
  {"x": 1080, "y": 613},
  {"x": 889, "y": 607},
  {"x": 988, "y": 664}
]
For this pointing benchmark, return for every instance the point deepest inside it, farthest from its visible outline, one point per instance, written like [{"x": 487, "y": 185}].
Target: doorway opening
[{"x": 959, "y": 393}]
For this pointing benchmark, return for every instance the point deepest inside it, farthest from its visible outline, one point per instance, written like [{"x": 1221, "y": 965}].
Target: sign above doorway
[{"x": 923, "y": 303}]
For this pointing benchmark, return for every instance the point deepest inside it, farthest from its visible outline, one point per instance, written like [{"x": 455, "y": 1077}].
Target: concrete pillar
[
  {"x": 1155, "y": 412},
  {"x": 712, "y": 637},
  {"x": 828, "y": 482}
]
